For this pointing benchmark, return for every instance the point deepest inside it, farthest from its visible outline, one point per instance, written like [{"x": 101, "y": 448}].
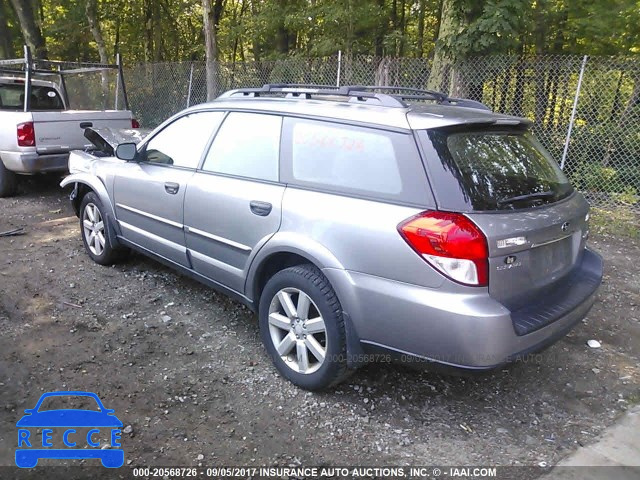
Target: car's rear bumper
[
  {"x": 33, "y": 162},
  {"x": 470, "y": 331}
]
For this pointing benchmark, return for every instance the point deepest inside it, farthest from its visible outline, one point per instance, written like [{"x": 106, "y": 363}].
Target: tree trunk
[
  {"x": 6, "y": 38},
  {"x": 441, "y": 59},
  {"x": 518, "y": 93},
  {"x": 212, "y": 13},
  {"x": 381, "y": 31},
  {"x": 30, "y": 30},
  {"x": 282, "y": 33},
  {"x": 403, "y": 28},
  {"x": 632, "y": 104},
  {"x": 91, "y": 11},
  {"x": 148, "y": 30},
  {"x": 421, "y": 14},
  {"x": 116, "y": 39}
]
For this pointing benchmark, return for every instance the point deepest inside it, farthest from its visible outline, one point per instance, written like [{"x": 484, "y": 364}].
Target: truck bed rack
[{"x": 26, "y": 67}]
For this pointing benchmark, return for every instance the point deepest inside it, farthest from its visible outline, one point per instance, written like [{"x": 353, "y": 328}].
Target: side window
[
  {"x": 182, "y": 142},
  {"x": 347, "y": 157},
  {"x": 248, "y": 145}
]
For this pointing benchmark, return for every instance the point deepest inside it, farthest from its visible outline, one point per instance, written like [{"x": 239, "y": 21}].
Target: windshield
[
  {"x": 64, "y": 402},
  {"x": 498, "y": 170},
  {"x": 42, "y": 98}
]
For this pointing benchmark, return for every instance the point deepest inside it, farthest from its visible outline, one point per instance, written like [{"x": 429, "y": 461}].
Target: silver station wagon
[{"x": 355, "y": 221}]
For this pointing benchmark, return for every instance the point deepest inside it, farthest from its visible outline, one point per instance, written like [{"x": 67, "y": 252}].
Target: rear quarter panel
[{"x": 361, "y": 235}]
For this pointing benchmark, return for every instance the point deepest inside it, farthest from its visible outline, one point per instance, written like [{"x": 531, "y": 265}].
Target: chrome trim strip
[
  {"x": 150, "y": 215},
  {"x": 216, "y": 238},
  {"x": 156, "y": 238},
  {"x": 534, "y": 245}
]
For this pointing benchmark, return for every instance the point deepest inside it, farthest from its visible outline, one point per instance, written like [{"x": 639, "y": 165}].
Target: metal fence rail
[{"x": 586, "y": 109}]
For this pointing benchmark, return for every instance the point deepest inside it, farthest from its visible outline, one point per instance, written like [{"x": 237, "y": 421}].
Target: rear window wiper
[{"x": 528, "y": 196}]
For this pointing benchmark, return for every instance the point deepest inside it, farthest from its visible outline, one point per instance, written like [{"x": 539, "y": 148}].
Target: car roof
[{"x": 415, "y": 116}]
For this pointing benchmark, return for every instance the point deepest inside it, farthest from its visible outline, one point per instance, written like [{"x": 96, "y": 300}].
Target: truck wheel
[
  {"x": 8, "y": 182},
  {"x": 94, "y": 227},
  {"x": 302, "y": 328}
]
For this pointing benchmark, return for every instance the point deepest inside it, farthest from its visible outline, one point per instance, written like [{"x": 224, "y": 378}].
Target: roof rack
[
  {"x": 356, "y": 93},
  {"x": 408, "y": 93},
  {"x": 296, "y": 90}
]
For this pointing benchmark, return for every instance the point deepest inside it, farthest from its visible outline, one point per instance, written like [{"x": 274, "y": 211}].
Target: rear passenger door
[{"x": 233, "y": 203}]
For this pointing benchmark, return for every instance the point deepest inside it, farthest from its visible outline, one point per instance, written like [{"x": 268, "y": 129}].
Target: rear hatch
[
  {"x": 509, "y": 186},
  {"x": 62, "y": 131}
]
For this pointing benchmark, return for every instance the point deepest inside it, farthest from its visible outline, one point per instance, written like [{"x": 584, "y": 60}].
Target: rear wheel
[
  {"x": 8, "y": 181},
  {"x": 302, "y": 328},
  {"x": 94, "y": 227}
]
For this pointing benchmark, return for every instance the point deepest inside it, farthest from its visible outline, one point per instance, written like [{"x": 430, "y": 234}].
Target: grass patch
[
  {"x": 619, "y": 221},
  {"x": 634, "y": 398}
]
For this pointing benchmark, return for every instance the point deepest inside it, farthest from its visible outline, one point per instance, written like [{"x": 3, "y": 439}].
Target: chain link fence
[{"x": 586, "y": 109}]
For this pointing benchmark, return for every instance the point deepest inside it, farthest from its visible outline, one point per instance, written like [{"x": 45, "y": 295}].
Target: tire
[
  {"x": 310, "y": 336},
  {"x": 8, "y": 182},
  {"x": 94, "y": 225}
]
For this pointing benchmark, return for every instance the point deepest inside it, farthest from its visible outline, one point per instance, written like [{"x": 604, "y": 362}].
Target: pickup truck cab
[{"x": 37, "y": 134}]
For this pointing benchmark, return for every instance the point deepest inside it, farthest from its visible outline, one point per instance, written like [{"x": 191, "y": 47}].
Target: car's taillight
[
  {"x": 26, "y": 135},
  {"x": 135, "y": 123},
  {"x": 451, "y": 243}
]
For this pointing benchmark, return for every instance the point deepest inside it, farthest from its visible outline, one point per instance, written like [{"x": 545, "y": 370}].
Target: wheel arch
[
  {"x": 271, "y": 260},
  {"x": 84, "y": 184}
]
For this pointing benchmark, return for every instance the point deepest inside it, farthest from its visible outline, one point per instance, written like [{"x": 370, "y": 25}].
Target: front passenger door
[{"x": 149, "y": 194}]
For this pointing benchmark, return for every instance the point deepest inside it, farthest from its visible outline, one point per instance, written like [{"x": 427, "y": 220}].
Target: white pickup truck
[{"x": 37, "y": 129}]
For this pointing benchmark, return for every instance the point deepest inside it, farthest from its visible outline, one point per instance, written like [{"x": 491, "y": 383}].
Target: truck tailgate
[{"x": 63, "y": 131}]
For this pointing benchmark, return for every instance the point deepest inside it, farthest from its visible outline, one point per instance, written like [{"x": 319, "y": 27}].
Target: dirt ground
[{"x": 184, "y": 367}]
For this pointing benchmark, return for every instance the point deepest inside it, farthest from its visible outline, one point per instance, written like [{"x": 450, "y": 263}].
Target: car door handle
[
  {"x": 84, "y": 125},
  {"x": 260, "y": 208},
  {"x": 171, "y": 187}
]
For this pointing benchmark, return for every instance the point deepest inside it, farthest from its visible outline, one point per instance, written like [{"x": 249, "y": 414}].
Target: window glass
[
  {"x": 247, "y": 145},
  {"x": 355, "y": 158},
  {"x": 501, "y": 171},
  {"x": 182, "y": 142},
  {"x": 42, "y": 98}
]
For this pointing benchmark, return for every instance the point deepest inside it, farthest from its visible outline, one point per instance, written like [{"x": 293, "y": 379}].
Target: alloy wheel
[
  {"x": 93, "y": 227},
  {"x": 297, "y": 330}
]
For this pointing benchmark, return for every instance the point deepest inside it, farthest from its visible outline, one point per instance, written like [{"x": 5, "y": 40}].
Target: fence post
[
  {"x": 573, "y": 113},
  {"x": 339, "y": 68},
  {"x": 190, "y": 83}
]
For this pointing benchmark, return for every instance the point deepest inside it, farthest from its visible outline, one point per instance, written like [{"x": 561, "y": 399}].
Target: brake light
[
  {"x": 451, "y": 243},
  {"x": 135, "y": 123},
  {"x": 26, "y": 135}
]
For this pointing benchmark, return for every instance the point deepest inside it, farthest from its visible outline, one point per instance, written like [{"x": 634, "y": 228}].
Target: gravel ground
[{"x": 183, "y": 366}]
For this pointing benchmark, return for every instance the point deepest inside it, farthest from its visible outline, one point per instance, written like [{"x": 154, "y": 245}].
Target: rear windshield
[
  {"x": 498, "y": 170},
  {"x": 42, "y": 98}
]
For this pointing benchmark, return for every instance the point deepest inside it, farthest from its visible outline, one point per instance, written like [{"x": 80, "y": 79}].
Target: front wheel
[
  {"x": 94, "y": 227},
  {"x": 302, "y": 328}
]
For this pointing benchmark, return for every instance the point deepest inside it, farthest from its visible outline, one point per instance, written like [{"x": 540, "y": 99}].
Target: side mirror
[{"x": 126, "y": 151}]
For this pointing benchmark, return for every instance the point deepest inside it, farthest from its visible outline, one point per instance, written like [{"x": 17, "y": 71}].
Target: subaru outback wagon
[{"x": 354, "y": 221}]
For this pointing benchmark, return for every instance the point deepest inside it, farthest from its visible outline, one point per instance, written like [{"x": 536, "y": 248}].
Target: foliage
[
  {"x": 171, "y": 30},
  {"x": 621, "y": 222}
]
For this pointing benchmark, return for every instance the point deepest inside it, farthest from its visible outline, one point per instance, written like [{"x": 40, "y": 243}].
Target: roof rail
[
  {"x": 308, "y": 90},
  {"x": 420, "y": 94},
  {"x": 356, "y": 93}
]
